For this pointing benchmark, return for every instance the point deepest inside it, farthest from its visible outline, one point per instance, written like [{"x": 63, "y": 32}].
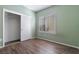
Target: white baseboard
[
  {"x": 20, "y": 40},
  {"x": 1, "y": 46},
  {"x": 60, "y": 43},
  {"x": 33, "y": 37}
]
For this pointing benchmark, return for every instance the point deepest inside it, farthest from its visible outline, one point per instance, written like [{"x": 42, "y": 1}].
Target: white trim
[
  {"x": 10, "y": 11},
  {"x": 1, "y": 46},
  {"x": 1, "y": 41},
  {"x": 33, "y": 37},
  {"x": 60, "y": 43},
  {"x": 3, "y": 28}
]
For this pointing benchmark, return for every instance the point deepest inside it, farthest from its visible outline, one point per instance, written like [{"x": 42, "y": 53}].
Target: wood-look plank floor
[{"x": 38, "y": 46}]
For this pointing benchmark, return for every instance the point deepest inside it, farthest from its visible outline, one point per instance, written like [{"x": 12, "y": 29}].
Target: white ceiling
[{"x": 37, "y": 7}]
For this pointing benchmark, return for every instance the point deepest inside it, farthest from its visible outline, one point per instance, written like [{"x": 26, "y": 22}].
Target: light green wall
[
  {"x": 67, "y": 24},
  {"x": 19, "y": 9}
]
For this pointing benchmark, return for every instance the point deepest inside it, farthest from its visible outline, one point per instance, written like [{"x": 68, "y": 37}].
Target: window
[{"x": 47, "y": 24}]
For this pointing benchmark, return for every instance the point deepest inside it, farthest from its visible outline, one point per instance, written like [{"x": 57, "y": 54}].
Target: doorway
[
  {"x": 16, "y": 27},
  {"x": 12, "y": 28}
]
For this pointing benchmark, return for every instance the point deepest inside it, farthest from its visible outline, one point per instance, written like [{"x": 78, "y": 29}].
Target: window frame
[{"x": 55, "y": 19}]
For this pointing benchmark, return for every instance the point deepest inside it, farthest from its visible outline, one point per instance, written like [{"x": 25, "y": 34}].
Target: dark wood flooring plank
[{"x": 38, "y": 46}]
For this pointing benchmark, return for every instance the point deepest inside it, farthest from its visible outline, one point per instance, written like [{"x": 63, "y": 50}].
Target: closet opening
[{"x": 12, "y": 30}]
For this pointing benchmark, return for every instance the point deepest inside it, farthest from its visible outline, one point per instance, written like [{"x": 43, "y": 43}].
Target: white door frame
[{"x": 10, "y": 11}]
